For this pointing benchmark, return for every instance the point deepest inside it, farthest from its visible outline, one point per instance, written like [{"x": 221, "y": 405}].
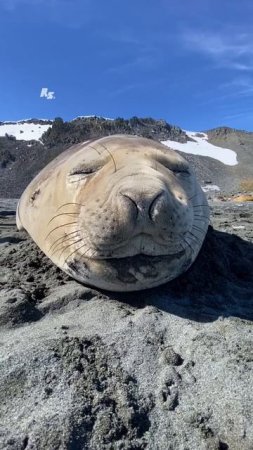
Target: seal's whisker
[
  {"x": 96, "y": 150},
  {"x": 89, "y": 249},
  {"x": 63, "y": 247},
  {"x": 181, "y": 245},
  {"x": 201, "y": 220},
  {"x": 156, "y": 159},
  {"x": 201, "y": 215},
  {"x": 194, "y": 236},
  {"x": 109, "y": 154},
  {"x": 188, "y": 244},
  {"x": 63, "y": 214},
  {"x": 190, "y": 198},
  {"x": 198, "y": 229},
  {"x": 67, "y": 246},
  {"x": 63, "y": 241},
  {"x": 108, "y": 151},
  {"x": 69, "y": 203},
  {"x": 76, "y": 250},
  {"x": 62, "y": 238},
  {"x": 60, "y": 226}
]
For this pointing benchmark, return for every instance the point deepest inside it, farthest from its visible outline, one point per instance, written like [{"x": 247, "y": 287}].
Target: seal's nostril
[
  {"x": 131, "y": 206},
  {"x": 131, "y": 200},
  {"x": 154, "y": 204}
]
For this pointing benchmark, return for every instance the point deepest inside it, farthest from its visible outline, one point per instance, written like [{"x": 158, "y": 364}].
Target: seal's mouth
[
  {"x": 136, "y": 257},
  {"x": 142, "y": 244},
  {"x": 130, "y": 270},
  {"x": 141, "y": 257}
]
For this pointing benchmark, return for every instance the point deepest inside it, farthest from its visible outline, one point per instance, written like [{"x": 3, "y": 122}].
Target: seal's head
[{"x": 121, "y": 213}]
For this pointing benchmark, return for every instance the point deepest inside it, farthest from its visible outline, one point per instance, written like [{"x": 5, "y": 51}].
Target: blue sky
[{"x": 187, "y": 61}]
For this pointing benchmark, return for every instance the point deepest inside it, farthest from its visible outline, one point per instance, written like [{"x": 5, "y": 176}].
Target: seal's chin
[{"x": 133, "y": 273}]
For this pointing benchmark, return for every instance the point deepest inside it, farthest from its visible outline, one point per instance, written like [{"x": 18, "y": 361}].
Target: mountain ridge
[
  {"x": 94, "y": 116},
  {"x": 31, "y": 155}
]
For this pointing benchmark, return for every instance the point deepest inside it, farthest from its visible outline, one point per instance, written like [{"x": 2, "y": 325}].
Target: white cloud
[
  {"x": 240, "y": 115},
  {"x": 228, "y": 48},
  {"x": 238, "y": 87},
  {"x": 220, "y": 44}
]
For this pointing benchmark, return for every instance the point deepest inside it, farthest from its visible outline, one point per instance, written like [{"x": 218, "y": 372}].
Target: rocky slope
[
  {"x": 242, "y": 143},
  {"x": 21, "y": 160},
  {"x": 168, "y": 368}
]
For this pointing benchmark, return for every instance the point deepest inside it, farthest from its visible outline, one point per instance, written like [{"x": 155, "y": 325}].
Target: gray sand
[{"x": 168, "y": 368}]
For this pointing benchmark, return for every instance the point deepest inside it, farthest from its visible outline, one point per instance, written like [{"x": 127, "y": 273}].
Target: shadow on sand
[{"x": 219, "y": 283}]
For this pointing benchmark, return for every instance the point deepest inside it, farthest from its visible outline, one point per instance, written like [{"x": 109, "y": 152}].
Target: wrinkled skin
[{"x": 121, "y": 213}]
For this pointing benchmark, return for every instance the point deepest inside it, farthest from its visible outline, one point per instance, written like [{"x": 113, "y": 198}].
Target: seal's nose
[{"x": 146, "y": 203}]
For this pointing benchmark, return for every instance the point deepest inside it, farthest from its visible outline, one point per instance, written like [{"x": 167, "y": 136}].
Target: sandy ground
[{"x": 164, "y": 369}]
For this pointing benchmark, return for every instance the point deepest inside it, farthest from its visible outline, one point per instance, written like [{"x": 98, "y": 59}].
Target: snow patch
[
  {"x": 238, "y": 227},
  {"x": 202, "y": 147},
  {"x": 210, "y": 187},
  {"x": 24, "y": 131},
  {"x": 88, "y": 117},
  {"x": 25, "y": 120}
]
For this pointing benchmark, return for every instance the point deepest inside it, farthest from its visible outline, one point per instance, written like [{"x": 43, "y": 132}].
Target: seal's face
[
  {"x": 121, "y": 213},
  {"x": 138, "y": 215}
]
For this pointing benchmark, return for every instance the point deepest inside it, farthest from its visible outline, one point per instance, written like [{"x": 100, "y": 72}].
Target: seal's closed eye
[
  {"x": 84, "y": 170},
  {"x": 177, "y": 166},
  {"x": 181, "y": 171}
]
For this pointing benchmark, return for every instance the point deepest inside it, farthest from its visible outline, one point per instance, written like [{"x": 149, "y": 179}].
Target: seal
[{"x": 121, "y": 213}]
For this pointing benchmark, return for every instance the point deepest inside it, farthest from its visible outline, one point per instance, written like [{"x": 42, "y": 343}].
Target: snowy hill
[
  {"x": 25, "y": 130},
  {"x": 221, "y": 158},
  {"x": 199, "y": 145}
]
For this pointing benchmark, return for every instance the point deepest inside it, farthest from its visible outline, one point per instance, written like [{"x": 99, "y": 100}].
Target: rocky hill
[
  {"x": 83, "y": 128},
  {"x": 21, "y": 157},
  {"x": 21, "y": 160},
  {"x": 242, "y": 143}
]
